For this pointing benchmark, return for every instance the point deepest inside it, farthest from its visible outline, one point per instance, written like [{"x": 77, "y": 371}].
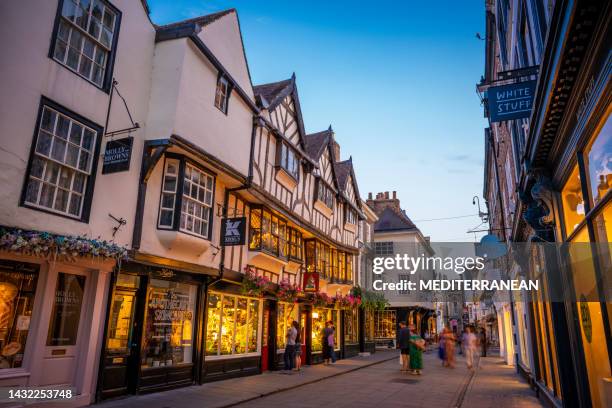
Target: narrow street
[{"x": 378, "y": 384}]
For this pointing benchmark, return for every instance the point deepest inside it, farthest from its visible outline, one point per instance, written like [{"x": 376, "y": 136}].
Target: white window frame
[
  {"x": 48, "y": 158},
  {"x": 97, "y": 45},
  {"x": 222, "y": 94}
]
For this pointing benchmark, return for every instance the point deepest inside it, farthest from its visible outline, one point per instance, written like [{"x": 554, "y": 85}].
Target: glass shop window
[
  {"x": 319, "y": 317},
  {"x": 232, "y": 325},
  {"x": 287, "y": 313},
  {"x": 351, "y": 326},
  {"x": 169, "y": 324},
  {"x": 598, "y": 162},
  {"x": 573, "y": 202},
  {"x": 17, "y": 291}
]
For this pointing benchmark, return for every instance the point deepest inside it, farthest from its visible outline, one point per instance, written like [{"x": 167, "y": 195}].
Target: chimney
[
  {"x": 382, "y": 201},
  {"x": 335, "y": 145}
]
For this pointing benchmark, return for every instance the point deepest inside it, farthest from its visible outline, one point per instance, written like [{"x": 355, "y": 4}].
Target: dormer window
[
  {"x": 325, "y": 195},
  {"x": 222, "y": 94},
  {"x": 288, "y": 161}
]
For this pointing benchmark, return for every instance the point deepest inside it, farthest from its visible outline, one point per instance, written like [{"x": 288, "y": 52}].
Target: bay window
[
  {"x": 269, "y": 233},
  {"x": 287, "y": 159},
  {"x": 186, "y": 198},
  {"x": 351, "y": 215},
  {"x": 295, "y": 244},
  {"x": 62, "y": 164},
  {"x": 325, "y": 194},
  {"x": 85, "y": 39}
]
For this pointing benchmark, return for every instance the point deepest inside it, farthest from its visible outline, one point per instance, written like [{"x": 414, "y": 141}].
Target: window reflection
[
  {"x": 573, "y": 202},
  {"x": 598, "y": 161}
]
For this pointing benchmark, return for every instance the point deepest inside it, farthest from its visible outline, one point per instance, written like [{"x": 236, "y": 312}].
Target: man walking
[
  {"x": 289, "y": 356},
  {"x": 404, "y": 345}
]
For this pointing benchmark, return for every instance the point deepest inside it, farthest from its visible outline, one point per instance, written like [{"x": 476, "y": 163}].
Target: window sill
[
  {"x": 285, "y": 179},
  {"x": 263, "y": 259},
  {"x": 185, "y": 242},
  {"x": 350, "y": 227},
  {"x": 323, "y": 209}
]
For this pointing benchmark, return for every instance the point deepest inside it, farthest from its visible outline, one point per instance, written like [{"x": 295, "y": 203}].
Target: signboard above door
[{"x": 513, "y": 101}]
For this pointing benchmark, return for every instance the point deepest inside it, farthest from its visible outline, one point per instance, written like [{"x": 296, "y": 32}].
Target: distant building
[{"x": 395, "y": 233}]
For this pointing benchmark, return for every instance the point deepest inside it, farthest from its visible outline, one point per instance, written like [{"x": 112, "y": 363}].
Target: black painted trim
[{"x": 91, "y": 179}]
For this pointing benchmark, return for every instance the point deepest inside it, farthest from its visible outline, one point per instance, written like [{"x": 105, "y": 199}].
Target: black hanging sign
[
  {"x": 233, "y": 231},
  {"x": 508, "y": 102},
  {"x": 117, "y": 155}
]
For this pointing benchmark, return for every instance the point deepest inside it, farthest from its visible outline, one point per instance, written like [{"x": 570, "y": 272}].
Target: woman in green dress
[{"x": 417, "y": 345}]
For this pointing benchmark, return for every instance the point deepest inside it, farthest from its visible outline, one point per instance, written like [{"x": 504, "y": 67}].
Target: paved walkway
[
  {"x": 497, "y": 382},
  {"x": 359, "y": 382},
  {"x": 230, "y": 392}
]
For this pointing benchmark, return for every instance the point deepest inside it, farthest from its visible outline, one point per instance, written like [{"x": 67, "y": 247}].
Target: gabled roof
[
  {"x": 268, "y": 96},
  {"x": 200, "y": 20},
  {"x": 390, "y": 220},
  {"x": 343, "y": 170},
  {"x": 316, "y": 142}
]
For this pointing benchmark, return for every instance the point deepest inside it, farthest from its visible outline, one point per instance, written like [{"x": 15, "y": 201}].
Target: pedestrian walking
[
  {"x": 417, "y": 346},
  {"x": 404, "y": 345},
  {"x": 298, "y": 347},
  {"x": 469, "y": 346},
  {"x": 328, "y": 341},
  {"x": 449, "y": 348},
  {"x": 289, "y": 356},
  {"x": 331, "y": 339}
]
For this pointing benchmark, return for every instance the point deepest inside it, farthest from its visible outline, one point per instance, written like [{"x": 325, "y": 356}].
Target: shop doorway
[{"x": 120, "y": 361}]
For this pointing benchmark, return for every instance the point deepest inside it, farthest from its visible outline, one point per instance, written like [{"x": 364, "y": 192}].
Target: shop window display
[
  {"x": 287, "y": 313},
  {"x": 351, "y": 326},
  {"x": 232, "y": 325},
  {"x": 17, "y": 291},
  {"x": 169, "y": 325},
  {"x": 319, "y": 317}
]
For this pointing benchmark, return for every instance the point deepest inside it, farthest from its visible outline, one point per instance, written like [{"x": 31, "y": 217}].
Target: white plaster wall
[
  {"x": 228, "y": 137},
  {"x": 223, "y": 38},
  {"x": 26, "y": 73},
  {"x": 165, "y": 83},
  {"x": 151, "y": 242}
]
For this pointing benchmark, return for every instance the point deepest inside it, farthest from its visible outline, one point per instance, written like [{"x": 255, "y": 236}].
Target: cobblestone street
[{"x": 373, "y": 381}]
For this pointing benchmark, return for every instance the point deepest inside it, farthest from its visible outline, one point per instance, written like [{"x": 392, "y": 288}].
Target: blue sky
[{"x": 396, "y": 80}]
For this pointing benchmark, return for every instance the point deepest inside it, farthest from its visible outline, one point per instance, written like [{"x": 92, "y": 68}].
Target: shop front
[
  {"x": 153, "y": 334},
  {"x": 319, "y": 315},
  {"x": 233, "y": 343},
  {"x": 350, "y": 333},
  {"x": 367, "y": 343},
  {"x": 51, "y": 313}
]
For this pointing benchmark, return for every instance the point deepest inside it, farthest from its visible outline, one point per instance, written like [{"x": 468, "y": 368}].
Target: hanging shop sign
[
  {"x": 117, "y": 155},
  {"x": 233, "y": 231},
  {"x": 311, "y": 282},
  {"x": 513, "y": 101}
]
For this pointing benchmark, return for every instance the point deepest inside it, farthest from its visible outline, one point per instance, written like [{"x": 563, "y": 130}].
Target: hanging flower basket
[
  {"x": 321, "y": 299},
  {"x": 348, "y": 301},
  {"x": 288, "y": 292},
  {"x": 253, "y": 284},
  {"x": 57, "y": 246}
]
